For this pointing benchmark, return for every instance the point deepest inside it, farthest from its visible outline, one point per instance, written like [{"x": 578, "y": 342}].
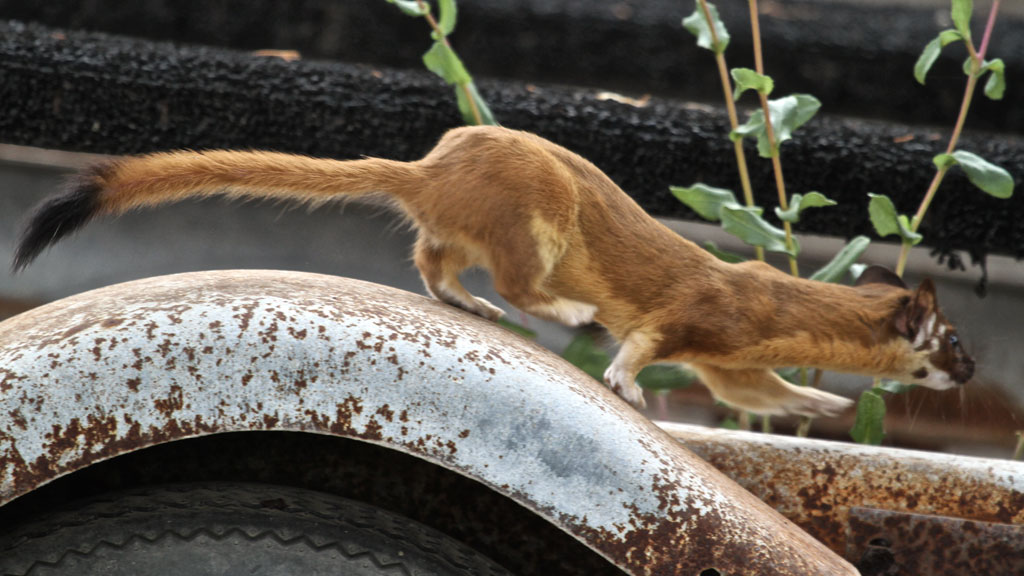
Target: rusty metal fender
[{"x": 134, "y": 365}]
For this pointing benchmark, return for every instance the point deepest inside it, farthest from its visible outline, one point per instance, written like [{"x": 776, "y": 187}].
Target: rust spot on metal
[
  {"x": 111, "y": 322},
  {"x": 386, "y": 412},
  {"x": 883, "y": 542},
  {"x": 96, "y": 432},
  {"x": 172, "y": 403},
  {"x": 133, "y": 384},
  {"x": 165, "y": 349},
  {"x": 75, "y": 330},
  {"x": 244, "y": 316},
  {"x": 18, "y": 419},
  {"x": 372, "y": 431},
  {"x": 464, "y": 434},
  {"x": 346, "y": 409},
  {"x": 9, "y": 378}
]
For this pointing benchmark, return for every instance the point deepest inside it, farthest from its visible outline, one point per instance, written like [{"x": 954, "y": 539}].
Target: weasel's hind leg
[
  {"x": 523, "y": 291},
  {"x": 440, "y": 265},
  {"x": 762, "y": 391},
  {"x": 521, "y": 267}
]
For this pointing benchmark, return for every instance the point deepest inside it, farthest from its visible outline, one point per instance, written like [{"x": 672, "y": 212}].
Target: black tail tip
[{"x": 60, "y": 215}]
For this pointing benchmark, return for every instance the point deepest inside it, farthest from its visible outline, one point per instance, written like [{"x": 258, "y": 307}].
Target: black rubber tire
[{"x": 233, "y": 529}]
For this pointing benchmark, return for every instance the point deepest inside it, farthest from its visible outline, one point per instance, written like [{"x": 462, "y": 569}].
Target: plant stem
[
  {"x": 988, "y": 29},
  {"x": 477, "y": 117},
  {"x": 1018, "y": 453},
  {"x": 780, "y": 183},
  {"x": 977, "y": 60},
  {"x": 734, "y": 123},
  {"x": 805, "y": 421}
]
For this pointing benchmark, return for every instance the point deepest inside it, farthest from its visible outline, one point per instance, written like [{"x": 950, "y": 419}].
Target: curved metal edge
[
  {"x": 816, "y": 483},
  {"x": 137, "y": 364}
]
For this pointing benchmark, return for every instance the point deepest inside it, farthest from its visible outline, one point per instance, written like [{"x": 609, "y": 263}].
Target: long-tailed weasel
[{"x": 563, "y": 242}]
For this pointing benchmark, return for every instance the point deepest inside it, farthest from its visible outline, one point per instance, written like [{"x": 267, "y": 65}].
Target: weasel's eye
[{"x": 953, "y": 340}]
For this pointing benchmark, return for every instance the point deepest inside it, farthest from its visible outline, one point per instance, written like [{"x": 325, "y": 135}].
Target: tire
[{"x": 233, "y": 529}]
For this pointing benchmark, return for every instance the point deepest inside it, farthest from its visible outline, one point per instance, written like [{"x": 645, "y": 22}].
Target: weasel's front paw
[
  {"x": 487, "y": 310},
  {"x": 623, "y": 384}
]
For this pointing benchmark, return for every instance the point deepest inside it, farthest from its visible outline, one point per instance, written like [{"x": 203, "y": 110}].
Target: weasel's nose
[{"x": 964, "y": 370}]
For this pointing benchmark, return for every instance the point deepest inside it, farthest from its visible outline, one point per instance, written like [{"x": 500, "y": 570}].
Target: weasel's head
[{"x": 936, "y": 358}]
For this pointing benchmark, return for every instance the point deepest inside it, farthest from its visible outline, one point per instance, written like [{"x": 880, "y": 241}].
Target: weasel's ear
[
  {"x": 918, "y": 308},
  {"x": 879, "y": 275}
]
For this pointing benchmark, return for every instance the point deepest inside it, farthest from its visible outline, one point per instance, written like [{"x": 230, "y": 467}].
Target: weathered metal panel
[
  {"x": 883, "y": 542},
  {"x": 133, "y": 365},
  {"x": 816, "y": 483}
]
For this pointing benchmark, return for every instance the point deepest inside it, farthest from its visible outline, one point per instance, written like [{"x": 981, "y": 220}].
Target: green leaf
[
  {"x": 729, "y": 424},
  {"x": 996, "y": 84},
  {"x": 790, "y": 113},
  {"x": 443, "y": 61},
  {"x": 486, "y": 116},
  {"x": 787, "y": 114},
  {"x": 798, "y": 203},
  {"x": 697, "y": 25},
  {"x": 747, "y": 79},
  {"x": 754, "y": 126},
  {"x": 705, "y": 200},
  {"x": 991, "y": 179},
  {"x": 723, "y": 255},
  {"x": 887, "y": 221},
  {"x": 926, "y": 59},
  {"x": 869, "y": 426},
  {"x": 586, "y": 355},
  {"x": 747, "y": 224},
  {"x": 411, "y": 7},
  {"x": 906, "y": 233},
  {"x": 931, "y": 52},
  {"x": 894, "y": 386},
  {"x": 665, "y": 378},
  {"x": 448, "y": 13},
  {"x": 947, "y": 37},
  {"x": 841, "y": 262},
  {"x": 883, "y": 215},
  {"x": 944, "y": 161},
  {"x": 961, "y": 13},
  {"x": 518, "y": 329}
]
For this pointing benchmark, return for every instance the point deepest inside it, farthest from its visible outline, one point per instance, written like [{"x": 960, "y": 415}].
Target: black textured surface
[
  {"x": 505, "y": 531},
  {"x": 234, "y": 529},
  {"x": 856, "y": 58},
  {"x": 97, "y": 93}
]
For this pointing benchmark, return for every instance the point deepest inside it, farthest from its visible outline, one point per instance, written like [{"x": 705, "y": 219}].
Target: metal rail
[{"x": 889, "y": 511}]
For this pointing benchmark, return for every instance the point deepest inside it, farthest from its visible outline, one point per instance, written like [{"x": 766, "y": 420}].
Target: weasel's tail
[{"x": 121, "y": 185}]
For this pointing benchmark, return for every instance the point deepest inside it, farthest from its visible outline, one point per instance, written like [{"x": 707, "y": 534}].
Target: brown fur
[{"x": 563, "y": 242}]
